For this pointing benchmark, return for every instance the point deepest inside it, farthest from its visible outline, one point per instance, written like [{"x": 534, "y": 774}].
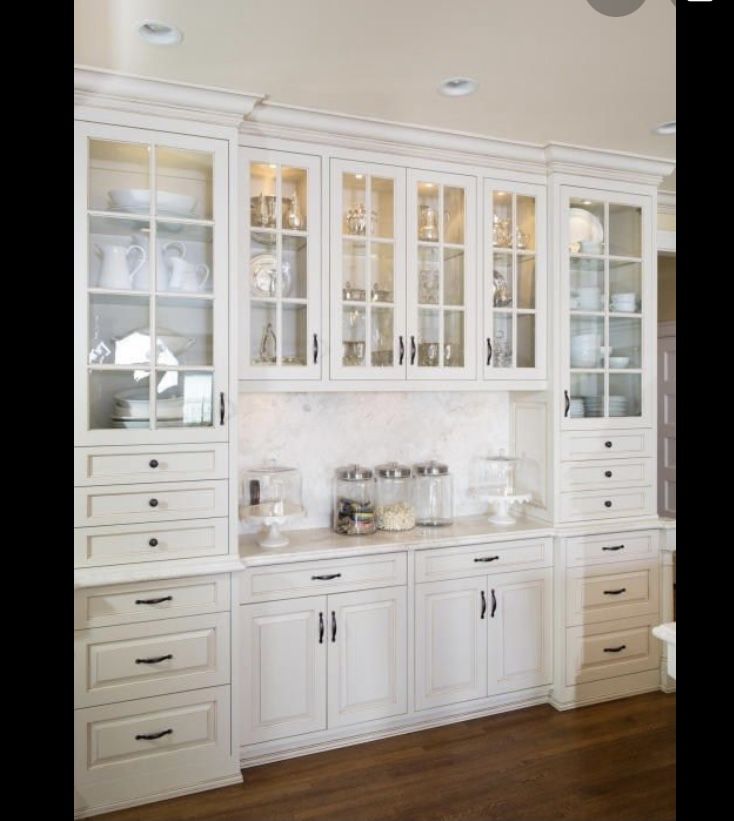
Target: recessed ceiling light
[
  {"x": 359, "y": 176},
  {"x": 160, "y": 34},
  {"x": 458, "y": 86},
  {"x": 665, "y": 128}
]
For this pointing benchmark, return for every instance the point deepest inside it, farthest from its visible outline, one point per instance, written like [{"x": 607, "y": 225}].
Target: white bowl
[
  {"x": 590, "y": 247},
  {"x": 584, "y": 360},
  {"x": 137, "y": 200}
]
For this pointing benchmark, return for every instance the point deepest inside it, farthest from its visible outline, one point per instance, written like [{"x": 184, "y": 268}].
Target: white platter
[{"x": 583, "y": 226}]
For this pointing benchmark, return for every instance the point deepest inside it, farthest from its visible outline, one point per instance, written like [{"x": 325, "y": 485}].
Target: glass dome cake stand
[
  {"x": 498, "y": 488},
  {"x": 272, "y": 516}
]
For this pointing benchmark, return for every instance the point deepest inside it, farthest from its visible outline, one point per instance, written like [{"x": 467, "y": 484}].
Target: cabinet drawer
[
  {"x": 140, "y": 463},
  {"x": 126, "y": 603},
  {"x": 115, "y": 504},
  {"x": 600, "y": 475},
  {"x": 610, "y": 444},
  {"x": 604, "y": 593},
  {"x": 610, "y": 649},
  {"x": 612, "y": 547},
  {"x": 479, "y": 560},
  {"x": 149, "y": 659},
  {"x": 144, "y": 746},
  {"x": 123, "y": 544},
  {"x": 599, "y": 504},
  {"x": 322, "y": 576}
]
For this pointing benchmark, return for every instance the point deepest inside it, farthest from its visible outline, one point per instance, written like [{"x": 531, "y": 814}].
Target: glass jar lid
[
  {"x": 502, "y": 457},
  {"x": 392, "y": 470},
  {"x": 354, "y": 473},
  {"x": 431, "y": 468},
  {"x": 270, "y": 466}
]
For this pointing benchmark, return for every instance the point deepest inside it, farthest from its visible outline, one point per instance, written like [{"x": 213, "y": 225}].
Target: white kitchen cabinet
[
  {"x": 520, "y": 623},
  {"x": 280, "y": 274},
  {"x": 442, "y": 276},
  {"x": 514, "y": 295},
  {"x": 151, "y": 286},
  {"x": 450, "y": 642},
  {"x": 367, "y": 656}
]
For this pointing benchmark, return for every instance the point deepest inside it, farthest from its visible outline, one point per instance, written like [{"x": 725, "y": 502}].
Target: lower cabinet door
[
  {"x": 284, "y": 668},
  {"x": 519, "y": 625},
  {"x": 368, "y": 649},
  {"x": 450, "y": 642}
]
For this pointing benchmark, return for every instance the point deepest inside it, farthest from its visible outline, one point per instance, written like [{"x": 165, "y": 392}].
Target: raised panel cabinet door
[
  {"x": 519, "y": 624},
  {"x": 284, "y": 673},
  {"x": 450, "y": 642},
  {"x": 368, "y": 649}
]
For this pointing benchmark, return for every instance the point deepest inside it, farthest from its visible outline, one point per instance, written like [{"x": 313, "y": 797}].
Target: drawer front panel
[
  {"x": 104, "y": 466},
  {"x": 111, "y": 505},
  {"x": 480, "y": 560},
  {"x": 605, "y": 593},
  {"x": 612, "y": 444},
  {"x": 612, "y": 547},
  {"x": 149, "y": 659},
  {"x": 610, "y": 649},
  {"x": 322, "y": 576},
  {"x": 137, "y": 739},
  {"x": 606, "y": 474},
  {"x": 123, "y": 544},
  {"x": 146, "y": 601},
  {"x": 598, "y": 504}
]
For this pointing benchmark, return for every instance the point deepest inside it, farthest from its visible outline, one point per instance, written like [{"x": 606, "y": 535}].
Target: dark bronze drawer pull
[
  {"x": 326, "y": 578},
  {"x": 333, "y": 626},
  {"x": 154, "y": 601},
  {"x": 614, "y": 547},
  {"x": 494, "y": 605},
  {"x": 321, "y": 628},
  {"x": 155, "y": 660},
  {"x": 484, "y": 604},
  {"x": 615, "y": 649},
  {"x": 153, "y": 736},
  {"x": 615, "y": 592},
  {"x": 486, "y": 558}
]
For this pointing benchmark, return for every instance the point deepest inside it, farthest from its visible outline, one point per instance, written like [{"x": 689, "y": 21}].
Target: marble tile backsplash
[{"x": 317, "y": 432}]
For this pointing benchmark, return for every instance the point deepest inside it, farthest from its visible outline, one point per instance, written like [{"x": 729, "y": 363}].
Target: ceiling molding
[
  {"x": 666, "y": 202},
  {"x": 100, "y": 88},
  {"x": 573, "y": 159}
]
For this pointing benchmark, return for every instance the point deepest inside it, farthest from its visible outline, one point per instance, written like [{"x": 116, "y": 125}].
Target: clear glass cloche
[
  {"x": 499, "y": 474},
  {"x": 272, "y": 487}
]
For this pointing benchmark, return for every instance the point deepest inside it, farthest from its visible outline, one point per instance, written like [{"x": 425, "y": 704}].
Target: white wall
[{"x": 317, "y": 432}]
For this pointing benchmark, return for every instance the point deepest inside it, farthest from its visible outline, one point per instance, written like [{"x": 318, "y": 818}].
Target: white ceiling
[{"x": 548, "y": 70}]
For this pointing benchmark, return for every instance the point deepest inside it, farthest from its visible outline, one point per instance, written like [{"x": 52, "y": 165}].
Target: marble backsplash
[{"x": 317, "y": 432}]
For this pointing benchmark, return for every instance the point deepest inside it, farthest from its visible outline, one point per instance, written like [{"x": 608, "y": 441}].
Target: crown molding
[
  {"x": 617, "y": 165},
  {"x": 100, "y": 88},
  {"x": 666, "y": 202}
]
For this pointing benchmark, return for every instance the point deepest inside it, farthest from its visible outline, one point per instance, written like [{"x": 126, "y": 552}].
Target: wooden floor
[{"x": 610, "y": 761}]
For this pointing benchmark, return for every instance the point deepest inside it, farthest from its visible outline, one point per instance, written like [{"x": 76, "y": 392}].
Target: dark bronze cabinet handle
[
  {"x": 315, "y": 348},
  {"x": 155, "y": 660},
  {"x": 607, "y": 503},
  {"x": 321, "y": 628},
  {"x": 489, "y": 350},
  {"x": 486, "y": 558},
  {"x": 154, "y": 601},
  {"x": 608, "y": 474},
  {"x": 494, "y": 605},
  {"x": 221, "y": 407},
  {"x": 614, "y": 547},
  {"x": 333, "y": 626},
  {"x": 153, "y": 463},
  {"x": 607, "y": 444},
  {"x": 484, "y": 604},
  {"x": 412, "y": 350},
  {"x": 327, "y": 577},
  {"x": 567, "y": 406},
  {"x": 153, "y": 736},
  {"x": 615, "y": 592},
  {"x": 615, "y": 649},
  {"x": 402, "y": 350},
  {"x": 153, "y": 502},
  {"x": 153, "y": 542}
]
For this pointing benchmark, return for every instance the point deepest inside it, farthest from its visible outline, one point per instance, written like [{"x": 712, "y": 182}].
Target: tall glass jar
[
  {"x": 434, "y": 494},
  {"x": 354, "y": 506},
  {"x": 394, "y": 504}
]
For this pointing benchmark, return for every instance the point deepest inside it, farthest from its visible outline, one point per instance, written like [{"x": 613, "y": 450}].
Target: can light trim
[
  {"x": 159, "y": 34},
  {"x": 665, "y": 129},
  {"x": 458, "y": 86}
]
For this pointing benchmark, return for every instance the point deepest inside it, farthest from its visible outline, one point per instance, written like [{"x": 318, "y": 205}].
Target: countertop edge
[{"x": 85, "y": 577}]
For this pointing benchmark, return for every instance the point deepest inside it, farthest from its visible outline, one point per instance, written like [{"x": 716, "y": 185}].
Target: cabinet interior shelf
[
  {"x": 130, "y": 216},
  {"x": 129, "y": 293},
  {"x": 613, "y": 315},
  {"x": 273, "y": 300},
  {"x": 273, "y": 232},
  {"x": 606, "y": 370},
  {"x": 509, "y": 310},
  {"x": 147, "y": 367},
  {"x": 602, "y": 257}
]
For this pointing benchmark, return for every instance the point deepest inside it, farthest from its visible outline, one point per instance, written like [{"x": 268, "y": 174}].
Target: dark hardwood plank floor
[{"x": 610, "y": 762}]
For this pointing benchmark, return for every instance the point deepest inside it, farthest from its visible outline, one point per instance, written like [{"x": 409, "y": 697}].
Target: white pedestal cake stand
[
  {"x": 502, "y": 505},
  {"x": 272, "y": 516}
]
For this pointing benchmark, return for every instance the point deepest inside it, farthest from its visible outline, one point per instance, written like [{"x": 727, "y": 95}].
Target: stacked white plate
[
  {"x": 576, "y": 409},
  {"x": 624, "y": 303},
  {"x": 585, "y": 350},
  {"x": 594, "y": 405},
  {"x": 132, "y": 409}
]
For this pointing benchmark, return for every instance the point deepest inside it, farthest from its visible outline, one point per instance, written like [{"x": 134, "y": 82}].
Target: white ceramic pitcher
[
  {"x": 115, "y": 272},
  {"x": 185, "y": 276}
]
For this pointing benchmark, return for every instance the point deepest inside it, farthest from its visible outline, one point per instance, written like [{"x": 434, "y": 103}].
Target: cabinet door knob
[
  {"x": 607, "y": 503},
  {"x": 153, "y": 463},
  {"x": 153, "y": 502},
  {"x": 153, "y": 542},
  {"x": 607, "y": 444},
  {"x": 608, "y": 474}
]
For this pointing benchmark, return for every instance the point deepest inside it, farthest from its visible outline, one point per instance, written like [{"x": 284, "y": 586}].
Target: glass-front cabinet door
[
  {"x": 368, "y": 339},
  {"x": 514, "y": 292},
  {"x": 442, "y": 297},
  {"x": 279, "y": 270},
  {"x": 610, "y": 315},
  {"x": 151, "y": 283}
]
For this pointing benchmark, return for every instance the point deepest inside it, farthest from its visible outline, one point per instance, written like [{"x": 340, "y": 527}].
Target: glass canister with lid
[
  {"x": 394, "y": 502},
  {"x": 434, "y": 494},
  {"x": 354, "y": 503}
]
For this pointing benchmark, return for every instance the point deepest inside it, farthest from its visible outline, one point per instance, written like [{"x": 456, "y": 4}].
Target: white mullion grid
[
  {"x": 441, "y": 251},
  {"x": 605, "y": 289},
  {"x": 515, "y": 293},
  {"x": 368, "y": 272},
  {"x": 279, "y": 265},
  {"x": 152, "y": 275}
]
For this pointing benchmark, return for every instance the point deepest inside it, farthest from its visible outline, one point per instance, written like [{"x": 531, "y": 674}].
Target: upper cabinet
[
  {"x": 151, "y": 295},
  {"x": 280, "y": 276},
  {"x": 608, "y": 311},
  {"x": 368, "y": 335},
  {"x": 442, "y": 276},
  {"x": 514, "y": 282}
]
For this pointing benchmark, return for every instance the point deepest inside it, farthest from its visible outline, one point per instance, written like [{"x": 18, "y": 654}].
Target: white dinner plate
[{"x": 583, "y": 226}]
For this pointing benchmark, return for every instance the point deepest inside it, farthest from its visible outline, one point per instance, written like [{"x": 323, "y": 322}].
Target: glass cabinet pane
[
  {"x": 429, "y": 275},
  {"x": 354, "y": 271},
  {"x": 429, "y": 336},
  {"x": 118, "y": 254},
  {"x": 429, "y": 219},
  {"x": 502, "y": 219},
  {"x": 625, "y": 340},
  {"x": 526, "y": 340},
  {"x": 119, "y": 399},
  {"x": 453, "y": 215},
  {"x": 625, "y": 287},
  {"x": 587, "y": 284},
  {"x": 119, "y": 330},
  {"x": 184, "y": 399},
  {"x": 502, "y": 348},
  {"x": 453, "y": 339},
  {"x": 502, "y": 281},
  {"x": 625, "y": 231},
  {"x": 525, "y": 232},
  {"x": 183, "y": 180},
  {"x": 383, "y": 205},
  {"x": 453, "y": 276},
  {"x": 184, "y": 332},
  {"x": 184, "y": 258},
  {"x": 295, "y": 345},
  {"x": 586, "y": 226},
  {"x": 382, "y": 268},
  {"x": 294, "y": 199},
  {"x": 119, "y": 177},
  {"x": 625, "y": 394},
  {"x": 354, "y": 336},
  {"x": 294, "y": 267},
  {"x": 587, "y": 339},
  {"x": 587, "y": 394},
  {"x": 525, "y": 281},
  {"x": 383, "y": 333},
  {"x": 354, "y": 202},
  {"x": 263, "y": 184}
]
